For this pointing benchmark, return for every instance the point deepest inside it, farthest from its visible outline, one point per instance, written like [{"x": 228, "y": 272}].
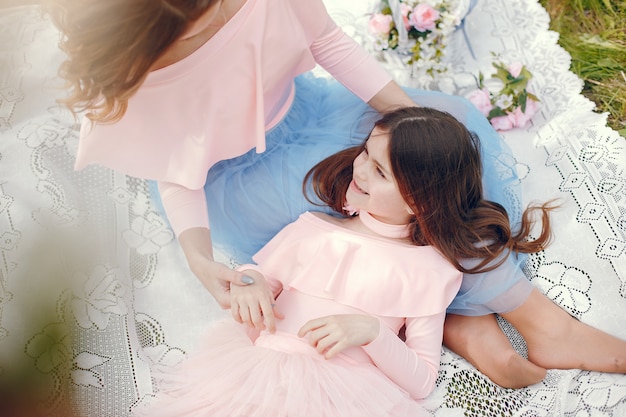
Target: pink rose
[
  {"x": 520, "y": 119},
  {"x": 515, "y": 69},
  {"x": 481, "y": 100},
  {"x": 502, "y": 123},
  {"x": 380, "y": 24},
  {"x": 424, "y": 17}
]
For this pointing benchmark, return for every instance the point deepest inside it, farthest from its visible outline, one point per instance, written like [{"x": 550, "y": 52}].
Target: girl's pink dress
[{"x": 323, "y": 269}]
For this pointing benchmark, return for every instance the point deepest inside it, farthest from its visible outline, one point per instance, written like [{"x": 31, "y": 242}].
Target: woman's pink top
[
  {"x": 218, "y": 102},
  {"x": 324, "y": 269}
]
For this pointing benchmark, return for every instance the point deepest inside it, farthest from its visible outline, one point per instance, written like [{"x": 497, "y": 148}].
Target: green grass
[{"x": 594, "y": 34}]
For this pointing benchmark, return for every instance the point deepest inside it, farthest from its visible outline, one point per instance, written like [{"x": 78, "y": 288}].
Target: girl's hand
[
  {"x": 254, "y": 304},
  {"x": 332, "y": 334},
  {"x": 220, "y": 279}
]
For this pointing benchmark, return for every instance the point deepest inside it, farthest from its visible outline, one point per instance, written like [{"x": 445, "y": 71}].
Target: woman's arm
[
  {"x": 186, "y": 211},
  {"x": 390, "y": 97},
  {"x": 214, "y": 276},
  {"x": 185, "y": 208},
  {"x": 351, "y": 65}
]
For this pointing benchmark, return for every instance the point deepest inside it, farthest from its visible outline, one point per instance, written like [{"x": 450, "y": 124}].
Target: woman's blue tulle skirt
[{"x": 251, "y": 197}]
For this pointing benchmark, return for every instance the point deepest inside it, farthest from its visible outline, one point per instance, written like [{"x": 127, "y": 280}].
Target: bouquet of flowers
[
  {"x": 504, "y": 98},
  {"x": 418, "y": 30}
]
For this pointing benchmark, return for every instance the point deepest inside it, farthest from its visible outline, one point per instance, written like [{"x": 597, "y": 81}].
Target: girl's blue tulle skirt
[{"x": 251, "y": 197}]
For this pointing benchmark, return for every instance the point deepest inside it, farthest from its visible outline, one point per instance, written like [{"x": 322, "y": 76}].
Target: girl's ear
[{"x": 410, "y": 211}]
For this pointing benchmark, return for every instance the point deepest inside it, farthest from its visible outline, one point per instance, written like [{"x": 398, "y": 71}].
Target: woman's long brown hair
[
  {"x": 111, "y": 46},
  {"x": 436, "y": 163}
]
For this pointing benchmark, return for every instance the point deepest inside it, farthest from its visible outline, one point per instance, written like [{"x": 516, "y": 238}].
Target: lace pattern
[{"x": 95, "y": 292}]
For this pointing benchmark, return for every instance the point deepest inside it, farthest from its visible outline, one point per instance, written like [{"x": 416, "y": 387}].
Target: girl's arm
[{"x": 413, "y": 364}]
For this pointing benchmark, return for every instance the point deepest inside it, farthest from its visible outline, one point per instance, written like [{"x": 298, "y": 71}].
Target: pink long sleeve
[
  {"x": 413, "y": 364},
  {"x": 350, "y": 64},
  {"x": 185, "y": 208}
]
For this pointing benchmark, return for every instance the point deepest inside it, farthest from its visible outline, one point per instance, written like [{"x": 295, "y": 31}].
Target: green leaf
[
  {"x": 496, "y": 112},
  {"x": 522, "y": 100},
  {"x": 517, "y": 85},
  {"x": 525, "y": 73},
  {"x": 533, "y": 97},
  {"x": 502, "y": 74},
  {"x": 393, "y": 38}
]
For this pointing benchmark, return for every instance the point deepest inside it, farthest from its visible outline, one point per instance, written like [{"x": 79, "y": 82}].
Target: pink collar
[{"x": 395, "y": 231}]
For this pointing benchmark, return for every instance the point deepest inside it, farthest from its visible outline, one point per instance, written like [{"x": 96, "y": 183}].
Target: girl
[
  {"x": 343, "y": 287},
  {"x": 172, "y": 89}
]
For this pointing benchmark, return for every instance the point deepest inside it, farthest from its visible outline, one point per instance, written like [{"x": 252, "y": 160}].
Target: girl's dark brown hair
[
  {"x": 111, "y": 46},
  {"x": 436, "y": 163}
]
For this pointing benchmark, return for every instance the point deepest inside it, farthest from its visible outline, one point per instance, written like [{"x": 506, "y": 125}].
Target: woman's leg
[
  {"x": 481, "y": 341},
  {"x": 557, "y": 340}
]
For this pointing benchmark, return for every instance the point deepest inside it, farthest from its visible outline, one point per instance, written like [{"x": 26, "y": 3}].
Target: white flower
[{"x": 504, "y": 101}]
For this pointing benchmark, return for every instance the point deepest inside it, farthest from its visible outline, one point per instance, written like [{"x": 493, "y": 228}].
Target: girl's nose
[{"x": 358, "y": 169}]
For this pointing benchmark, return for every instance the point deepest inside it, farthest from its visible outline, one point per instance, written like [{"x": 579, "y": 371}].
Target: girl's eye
[{"x": 380, "y": 172}]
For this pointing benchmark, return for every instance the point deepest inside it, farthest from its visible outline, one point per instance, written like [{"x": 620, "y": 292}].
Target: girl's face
[{"x": 373, "y": 187}]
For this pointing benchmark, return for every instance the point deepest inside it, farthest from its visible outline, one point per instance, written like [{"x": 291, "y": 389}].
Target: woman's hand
[
  {"x": 254, "y": 305},
  {"x": 215, "y": 276},
  {"x": 331, "y": 335}
]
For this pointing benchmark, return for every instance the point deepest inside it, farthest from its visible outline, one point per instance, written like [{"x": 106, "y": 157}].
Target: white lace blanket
[{"x": 95, "y": 292}]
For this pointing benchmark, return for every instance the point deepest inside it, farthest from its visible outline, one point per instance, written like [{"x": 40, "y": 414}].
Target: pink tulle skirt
[{"x": 278, "y": 375}]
